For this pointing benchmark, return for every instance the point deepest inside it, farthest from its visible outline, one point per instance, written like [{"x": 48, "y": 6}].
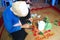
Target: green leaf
[
  {"x": 48, "y": 26},
  {"x": 41, "y": 33}
]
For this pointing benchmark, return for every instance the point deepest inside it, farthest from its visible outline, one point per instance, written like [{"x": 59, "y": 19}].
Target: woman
[{"x": 16, "y": 19}]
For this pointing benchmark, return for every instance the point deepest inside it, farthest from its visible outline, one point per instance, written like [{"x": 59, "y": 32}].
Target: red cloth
[{"x": 1, "y": 21}]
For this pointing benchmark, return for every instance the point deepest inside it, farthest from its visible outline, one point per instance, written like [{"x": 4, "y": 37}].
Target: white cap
[{"x": 20, "y": 8}]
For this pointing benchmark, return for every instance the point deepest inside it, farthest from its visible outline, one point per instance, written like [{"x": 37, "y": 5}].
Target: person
[
  {"x": 27, "y": 1},
  {"x": 16, "y": 18},
  {"x": 7, "y": 2}
]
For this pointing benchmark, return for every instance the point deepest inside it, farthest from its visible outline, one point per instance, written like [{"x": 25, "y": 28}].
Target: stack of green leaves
[
  {"x": 48, "y": 25},
  {"x": 56, "y": 22},
  {"x": 46, "y": 19},
  {"x": 41, "y": 33}
]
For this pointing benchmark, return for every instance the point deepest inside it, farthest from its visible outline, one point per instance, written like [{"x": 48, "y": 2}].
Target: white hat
[{"x": 20, "y": 8}]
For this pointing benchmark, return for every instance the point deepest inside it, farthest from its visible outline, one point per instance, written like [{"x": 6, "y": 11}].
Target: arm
[
  {"x": 7, "y": 17},
  {"x": 25, "y": 26},
  {"x": 22, "y": 26}
]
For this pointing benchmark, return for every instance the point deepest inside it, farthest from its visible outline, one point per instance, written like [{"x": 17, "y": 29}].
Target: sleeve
[{"x": 8, "y": 22}]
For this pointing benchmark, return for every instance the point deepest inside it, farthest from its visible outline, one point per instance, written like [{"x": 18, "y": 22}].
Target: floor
[
  {"x": 53, "y": 15},
  {"x": 40, "y": 5}
]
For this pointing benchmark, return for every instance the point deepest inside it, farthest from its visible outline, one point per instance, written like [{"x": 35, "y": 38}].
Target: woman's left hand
[{"x": 31, "y": 19}]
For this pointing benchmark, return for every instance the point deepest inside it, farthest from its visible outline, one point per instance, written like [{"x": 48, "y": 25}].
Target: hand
[
  {"x": 31, "y": 19},
  {"x": 25, "y": 26}
]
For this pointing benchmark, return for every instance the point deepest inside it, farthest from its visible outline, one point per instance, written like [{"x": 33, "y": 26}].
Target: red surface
[
  {"x": 1, "y": 21},
  {"x": 56, "y": 9},
  {"x": 59, "y": 23},
  {"x": 53, "y": 7}
]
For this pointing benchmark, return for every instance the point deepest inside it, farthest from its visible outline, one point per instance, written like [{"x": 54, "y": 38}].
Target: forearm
[{"x": 25, "y": 26}]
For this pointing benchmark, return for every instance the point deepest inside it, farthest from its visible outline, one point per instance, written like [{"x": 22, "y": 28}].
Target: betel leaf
[
  {"x": 46, "y": 19},
  {"x": 48, "y": 26},
  {"x": 41, "y": 33}
]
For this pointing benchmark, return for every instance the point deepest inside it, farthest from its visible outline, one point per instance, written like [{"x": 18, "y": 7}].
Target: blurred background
[
  {"x": 53, "y": 14},
  {"x": 35, "y": 3}
]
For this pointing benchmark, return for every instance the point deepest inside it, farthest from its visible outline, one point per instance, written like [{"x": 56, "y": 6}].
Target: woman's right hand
[{"x": 25, "y": 26}]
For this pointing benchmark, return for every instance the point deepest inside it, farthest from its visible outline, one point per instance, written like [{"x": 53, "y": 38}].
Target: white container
[{"x": 41, "y": 25}]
